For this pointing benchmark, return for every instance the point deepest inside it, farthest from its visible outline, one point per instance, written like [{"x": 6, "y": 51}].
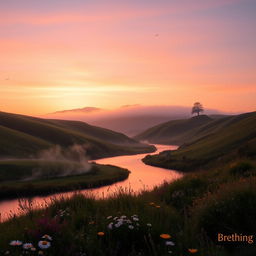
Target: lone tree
[{"x": 197, "y": 108}]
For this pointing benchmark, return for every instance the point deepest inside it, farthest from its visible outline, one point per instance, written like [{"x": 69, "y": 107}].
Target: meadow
[{"x": 181, "y": 218}]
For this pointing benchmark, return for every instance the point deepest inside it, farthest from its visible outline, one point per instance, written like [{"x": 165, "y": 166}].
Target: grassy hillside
[
  {"x": 181, "y": 218},
  {"x": 175, "y": 131},
  {"x": 217, "y": 140},
  {"x": 23, "y": 136}
]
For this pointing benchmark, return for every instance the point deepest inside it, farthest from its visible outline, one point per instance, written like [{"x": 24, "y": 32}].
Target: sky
[{"x": 62, "y": 54}]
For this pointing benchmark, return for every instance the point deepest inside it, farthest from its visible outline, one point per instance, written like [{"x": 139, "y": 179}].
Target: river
[{"x": 142, "y": 177}]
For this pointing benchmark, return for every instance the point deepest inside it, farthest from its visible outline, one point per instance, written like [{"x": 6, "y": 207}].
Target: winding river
[{"x": 142, "y": 177}]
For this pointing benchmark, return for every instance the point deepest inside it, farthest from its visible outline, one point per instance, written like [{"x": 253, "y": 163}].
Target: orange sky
[{"x": 111, "y": 53}]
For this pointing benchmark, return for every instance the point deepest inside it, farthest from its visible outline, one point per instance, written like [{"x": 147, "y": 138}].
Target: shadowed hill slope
[
  {"x": 175, "y": 131},
  {"x": 23, "y": 136}
]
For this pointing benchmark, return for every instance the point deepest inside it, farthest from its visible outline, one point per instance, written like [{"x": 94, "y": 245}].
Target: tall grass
[{"x": 191, "y": 211}]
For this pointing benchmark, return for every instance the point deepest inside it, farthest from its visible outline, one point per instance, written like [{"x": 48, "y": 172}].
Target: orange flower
[
  {"x": 152, "y": 203},
  {"x": 193, "y": 250},
  {"x": 101, "y": 233},
  {"x": 165, "y": 236},
  {"x": 158, "y": 206}
]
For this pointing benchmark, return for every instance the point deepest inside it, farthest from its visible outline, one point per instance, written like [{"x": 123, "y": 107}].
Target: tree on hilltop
[{"x": 197, "y": 108}]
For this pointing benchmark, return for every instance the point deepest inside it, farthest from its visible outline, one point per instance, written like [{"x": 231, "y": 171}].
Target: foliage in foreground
[{"x": 182, "y": 218}]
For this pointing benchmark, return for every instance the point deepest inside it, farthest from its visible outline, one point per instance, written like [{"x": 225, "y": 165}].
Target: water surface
[{"x": 142, "y": 177}]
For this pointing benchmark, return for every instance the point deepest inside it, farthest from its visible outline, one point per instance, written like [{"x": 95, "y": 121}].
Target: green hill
[
  {"x": 217, "y": 140},
  {"x": 24, "y": 136},
  {"x": 175, "y": 131}
]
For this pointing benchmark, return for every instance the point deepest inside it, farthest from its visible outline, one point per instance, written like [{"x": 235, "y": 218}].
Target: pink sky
[{"x": 112, "y": 53}]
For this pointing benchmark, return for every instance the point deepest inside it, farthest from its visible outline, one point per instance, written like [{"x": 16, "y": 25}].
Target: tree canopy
[{"x": 197, "y": 108}]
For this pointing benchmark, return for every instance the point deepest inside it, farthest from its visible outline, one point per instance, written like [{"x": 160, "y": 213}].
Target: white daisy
[
  {"x": 169, "y": 243},
  {"x": 44, "y": 244},
  {"x": 15, "y": 243},
  {"x": 47, "y": 237},
  {"x": 27, "y": 246},
  {"x": 118, "y": 224},
  {"x": 110, "y": 225}
]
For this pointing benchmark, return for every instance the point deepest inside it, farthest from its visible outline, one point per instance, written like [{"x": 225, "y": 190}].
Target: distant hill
[
  {"x": 175, "y": 131},
  {"x": 23, "y": 136},
  {"x": 216, "y": 140},
  {"x": 128, "y": 119}
]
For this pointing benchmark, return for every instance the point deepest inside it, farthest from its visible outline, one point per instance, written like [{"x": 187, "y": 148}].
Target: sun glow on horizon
[{"x": 102, "y": 54}]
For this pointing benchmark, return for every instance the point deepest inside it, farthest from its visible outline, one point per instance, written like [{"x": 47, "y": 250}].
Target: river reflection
[{"x": 142, "y": 177}]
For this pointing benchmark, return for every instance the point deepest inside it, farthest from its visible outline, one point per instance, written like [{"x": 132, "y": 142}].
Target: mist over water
[{"x": 64, "y": 161}]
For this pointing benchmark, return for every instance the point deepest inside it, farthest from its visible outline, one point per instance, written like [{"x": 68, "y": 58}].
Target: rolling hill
[
  {"x": 24, "y": 136},
  {"x": 216, "y": 140},
  {"x": 174, "y": 131}
]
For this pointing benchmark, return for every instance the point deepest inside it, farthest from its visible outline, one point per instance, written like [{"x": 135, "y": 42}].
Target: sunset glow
[{"x": 69, "y": 54}]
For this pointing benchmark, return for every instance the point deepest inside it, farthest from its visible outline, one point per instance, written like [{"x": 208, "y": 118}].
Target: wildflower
[
  {"x": 15, "y": 243},
  {"x": 47, "y": 237},
  {"x": 44, "y": 244},
  {"x": 169, "y": 243},
  {"x": 110, "y": 225},
  {"x": 118, "y": 224},
  {"x": 165, "y": 236},
  {"x": 115, "y": 218},
  {"x": 33, "y": 249},
  {"x": 170, "y": 252},
  {"x": 158, "y": 206},
  {"x": 193, "y": 250},
  {"x": 123, "y": 217},
  {"x": 135, "y": 218},
  {"x": 109, "y": 217},
  {"x": 27, "y": 246},
  {"x": 149, "y": 224},
  {"x": 100, "y": 233},
  {"x": 152, "y": 203},
  {"x": 131, "y": 227}
]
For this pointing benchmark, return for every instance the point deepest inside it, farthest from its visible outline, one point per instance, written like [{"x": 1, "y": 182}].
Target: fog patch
[{"x": 59, "y": 162}]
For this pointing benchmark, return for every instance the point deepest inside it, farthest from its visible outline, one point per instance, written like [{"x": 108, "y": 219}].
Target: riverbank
[
  {"x": 141, "y": 177},
  {"x": 99, "y": 175},
  {"x": 181, "y": 218}
]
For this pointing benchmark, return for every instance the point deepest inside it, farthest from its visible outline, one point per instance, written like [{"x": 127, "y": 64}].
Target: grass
[
  {"x": 191, "y": 210},
  {"x": 48, "y": 177}
]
